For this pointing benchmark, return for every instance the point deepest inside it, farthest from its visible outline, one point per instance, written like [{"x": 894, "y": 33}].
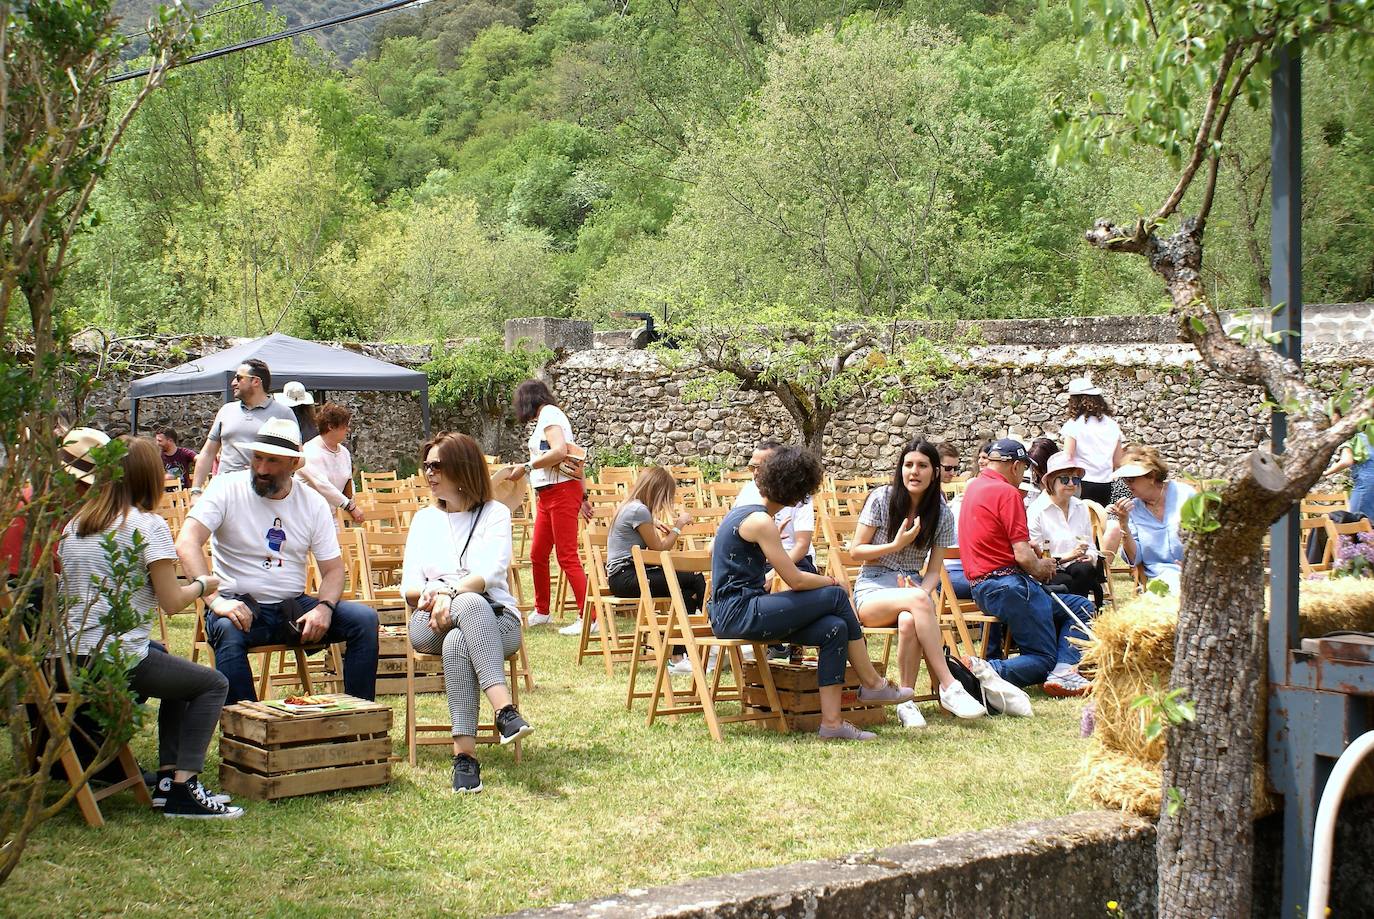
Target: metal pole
[{"x": 1285, "y": 244}]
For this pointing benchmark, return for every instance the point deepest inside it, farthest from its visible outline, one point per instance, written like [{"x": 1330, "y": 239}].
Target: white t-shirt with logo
[
  {"x": 260, "y": 544},
  {"x": 549, "y": 416},
  {"x": 790, "y": 520},
  {"x": 1095, "y": 441}
]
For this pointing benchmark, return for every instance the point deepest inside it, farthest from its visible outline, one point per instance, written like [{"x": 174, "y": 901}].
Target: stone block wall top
[{"x": 561, "y": 336}]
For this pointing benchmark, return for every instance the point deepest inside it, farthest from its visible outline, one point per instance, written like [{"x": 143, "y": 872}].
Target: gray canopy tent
[{"x": 316, "y": 366}]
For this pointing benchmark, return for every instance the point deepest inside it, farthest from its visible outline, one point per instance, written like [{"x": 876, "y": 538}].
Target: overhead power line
[
  {"x": 278, "y": 36},
  {"x": 204, "y": 16}
]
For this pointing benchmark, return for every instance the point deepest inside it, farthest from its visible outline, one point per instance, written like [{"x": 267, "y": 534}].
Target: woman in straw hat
[
  {"x": 1060, "y": 522},
  {"x": 120, "y": 508},
  {"x": 1092, "y": 438},
  {"x": 457, "y": 559}
]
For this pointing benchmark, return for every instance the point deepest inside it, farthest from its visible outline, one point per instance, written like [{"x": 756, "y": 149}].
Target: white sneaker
[
  {"x": 1001, "y": 695},
  {"x": 910, "y": 716},
  {"x": 680, "y": 667},
  {"x": 572, "y": 628},
  {"x": 746, "y": 653},
  {"x": 596, "y": 627},
  {"x": 955, "y": 700},
  {"x": 538, "y": 618}
]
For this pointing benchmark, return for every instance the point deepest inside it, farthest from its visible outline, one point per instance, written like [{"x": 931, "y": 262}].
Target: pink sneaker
[
  {"x": 845, "y": 731},
  {"x": 887, "y": 694}
]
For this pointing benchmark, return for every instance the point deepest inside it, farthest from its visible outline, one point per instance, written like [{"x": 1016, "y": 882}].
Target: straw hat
[
  {"x": 76, "y": 445},
  {"x": 294, "y": 394},
  {"x": 278, "y": 437}
]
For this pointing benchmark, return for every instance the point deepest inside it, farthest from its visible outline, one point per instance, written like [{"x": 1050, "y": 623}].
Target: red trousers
[{"x": 555, "y": 527}]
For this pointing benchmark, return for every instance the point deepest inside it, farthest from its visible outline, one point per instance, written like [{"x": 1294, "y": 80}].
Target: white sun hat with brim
[
  {"x": 1060, "y": 462},
  {"x": 76, "y": 447},
  {"x": 1131, "y": 471},
  {"x": 278, "y": 437},
  {"x": 1082, "y": 386},
  {"x": 294, "y": 394}
]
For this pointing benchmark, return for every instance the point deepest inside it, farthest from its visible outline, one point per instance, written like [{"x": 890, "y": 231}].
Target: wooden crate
[
  {"x": 268, "y": 754},
  {"x": 799, "y": 693},
  {"x": 392, "y": 642}
]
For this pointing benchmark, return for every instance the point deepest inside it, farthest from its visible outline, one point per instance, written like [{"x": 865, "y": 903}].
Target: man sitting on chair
[
  {"x": 261, "y": 522},
  {"x": 1007, "y": 577}
]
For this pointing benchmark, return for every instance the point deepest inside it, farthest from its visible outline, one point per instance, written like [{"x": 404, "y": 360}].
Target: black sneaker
[
  {"x": 189, "y": 799},
  {"x": 162, "y": 784},
  {"x": 467, "y": 774},
  {"x": 511, "y": 726}
]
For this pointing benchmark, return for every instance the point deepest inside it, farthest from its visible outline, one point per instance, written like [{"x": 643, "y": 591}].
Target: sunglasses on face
[
  {"x": 431, "y": 466},
  {"x": 950, "y": 469},
  {"x": 1074, "y": 480},
  {"x": 752, "y": 467}
]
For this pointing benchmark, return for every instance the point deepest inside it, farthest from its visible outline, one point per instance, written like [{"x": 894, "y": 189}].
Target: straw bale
[{"x": 1133, "y": 654}]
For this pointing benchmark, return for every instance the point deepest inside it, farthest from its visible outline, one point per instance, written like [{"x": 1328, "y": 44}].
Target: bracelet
[
  {"x": 197, "y": 490},
  {"x": 330, "y": 604},
  {"x": 199, "y": 579},
  {"x": 677, "y": 531},
  {"x": 529, "y": 466}
]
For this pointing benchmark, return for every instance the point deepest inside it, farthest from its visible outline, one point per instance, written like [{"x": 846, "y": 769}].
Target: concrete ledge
[{"x": 1052, "y": 869}]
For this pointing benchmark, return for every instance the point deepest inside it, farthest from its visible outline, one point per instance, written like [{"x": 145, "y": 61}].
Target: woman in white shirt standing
[
  {"x": 454, "y": 576},
  {"x": 558, "y": 497},
  {"x": 1092, "y": 438},
  {"x": 328, "y": 464},
  {"x": 1061, "y": 524}
]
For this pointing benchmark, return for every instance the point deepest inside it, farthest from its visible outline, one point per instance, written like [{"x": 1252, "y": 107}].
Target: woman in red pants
[{"x": 559, "y": 499}]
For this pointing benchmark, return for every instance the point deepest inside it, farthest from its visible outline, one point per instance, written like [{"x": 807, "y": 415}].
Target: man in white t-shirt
[
  {"x": 796, "y": 524},
  {"x": 262, "y": 523}
]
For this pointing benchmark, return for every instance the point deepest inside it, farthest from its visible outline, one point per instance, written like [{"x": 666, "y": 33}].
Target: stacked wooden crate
[{"x": 799, "y": 693}]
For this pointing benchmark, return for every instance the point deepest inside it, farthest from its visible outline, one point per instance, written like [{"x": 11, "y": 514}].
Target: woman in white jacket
[{"x": 457, "y": 559}]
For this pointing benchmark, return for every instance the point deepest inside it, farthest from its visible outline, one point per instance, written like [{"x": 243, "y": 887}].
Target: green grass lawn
[{"x": 600, "y": 803}]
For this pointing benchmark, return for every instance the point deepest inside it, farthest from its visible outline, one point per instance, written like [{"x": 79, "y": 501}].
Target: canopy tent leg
[{"x": 424, "y": 410}]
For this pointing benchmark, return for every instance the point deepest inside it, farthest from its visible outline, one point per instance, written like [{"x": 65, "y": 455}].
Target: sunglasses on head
[{"x": 1069, "y": 479}]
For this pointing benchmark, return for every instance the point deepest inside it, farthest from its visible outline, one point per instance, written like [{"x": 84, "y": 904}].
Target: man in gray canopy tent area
[{"x": 236, "y": 424}]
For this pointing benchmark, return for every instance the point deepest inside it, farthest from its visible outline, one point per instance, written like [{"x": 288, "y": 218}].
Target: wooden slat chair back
[
  {"x": 712, "y": 514},
  {"x": 840, "y": 565},
  {"x": 1334, "y": 532},
  {"x": 375, "y": 481},
  {"x": 723, "y": 494},
  {"x": 1330, "y": 500},
  {"x": 651, "y": 621},
  {"x": 742, "y": 476},
  {"x": 610, "y": 642},
  {"x": 618, "y": 475},
  {"x": 698, "y": 536},
  {"x": 695, "y": 634},
  {"x": 435, "y": 733},
  {"x": 604, "y": 488}
]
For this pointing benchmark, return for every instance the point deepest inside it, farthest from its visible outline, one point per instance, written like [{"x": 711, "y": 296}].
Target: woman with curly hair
[
  {"x": 1092, "y": 439},
  {"x": 815, "y": 611}
]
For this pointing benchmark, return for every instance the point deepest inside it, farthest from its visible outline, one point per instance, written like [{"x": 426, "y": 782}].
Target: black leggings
[{"x": 623, "y": 583}]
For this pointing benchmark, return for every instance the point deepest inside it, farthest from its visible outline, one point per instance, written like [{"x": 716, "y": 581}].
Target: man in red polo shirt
[{"x": 1006, "y": 574}]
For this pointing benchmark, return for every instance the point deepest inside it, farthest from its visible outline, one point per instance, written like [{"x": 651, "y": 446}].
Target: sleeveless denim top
[{"x": 737, "y": 565}]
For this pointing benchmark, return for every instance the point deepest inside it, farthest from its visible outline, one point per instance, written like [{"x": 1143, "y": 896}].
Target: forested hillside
[{"x": 830, "y": 158}]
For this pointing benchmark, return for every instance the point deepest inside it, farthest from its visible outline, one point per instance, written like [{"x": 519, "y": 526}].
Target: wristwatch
[
  {"x": 330, "y": 604},
  {"x": 677, "y": 531},
  {"x": 529, "y": 466}
]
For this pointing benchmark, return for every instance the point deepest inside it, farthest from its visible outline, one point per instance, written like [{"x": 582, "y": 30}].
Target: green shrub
[{"x": 484, "y": 372}]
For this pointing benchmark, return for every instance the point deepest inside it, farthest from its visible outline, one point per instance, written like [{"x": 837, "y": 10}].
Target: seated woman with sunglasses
[
  {"x": 815, "y": 611},
  {"x": 456, "y": 562},
  {"x": 1061, "y": 524}
]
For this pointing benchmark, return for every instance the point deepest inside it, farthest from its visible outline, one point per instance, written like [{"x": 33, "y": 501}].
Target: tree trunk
[{"x": 1205, "y": 848}]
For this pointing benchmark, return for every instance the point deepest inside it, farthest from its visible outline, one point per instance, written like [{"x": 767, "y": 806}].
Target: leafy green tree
[
  {"x": 61, "y": 126},
  {"x": 1185, "y": 67}
]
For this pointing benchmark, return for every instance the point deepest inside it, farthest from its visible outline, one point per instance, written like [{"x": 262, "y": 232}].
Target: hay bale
[{"x": 1133, "y": 655}]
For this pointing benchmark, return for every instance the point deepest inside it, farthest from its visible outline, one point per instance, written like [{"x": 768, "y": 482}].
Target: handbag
[{"x": 574, "y": 465}]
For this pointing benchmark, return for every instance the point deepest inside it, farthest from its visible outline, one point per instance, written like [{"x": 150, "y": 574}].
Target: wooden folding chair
[
  {"x": 742, "y": 476},
  {"x": 695, "y": 634},
  {"x": 42, "y": 696},
  {"x": 1334, "y": 532},
  {"x": 651, "y": 621},
  {"x": 961, "y": 619},
  {"x": 416, "y": 729},
  {"x": 617, "y": 475},
  {"x": 840, "y": 565},
  {"x": 723, "y": 494},
  {"x": 377, "y": 481},
  {"x": 603, "y": 607}
]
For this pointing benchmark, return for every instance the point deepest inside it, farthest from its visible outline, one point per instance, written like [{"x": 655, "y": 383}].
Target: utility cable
[{"x": 268, "y": 39}]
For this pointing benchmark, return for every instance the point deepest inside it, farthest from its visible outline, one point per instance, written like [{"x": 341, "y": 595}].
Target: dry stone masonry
[{"x": 623, "y": 399}]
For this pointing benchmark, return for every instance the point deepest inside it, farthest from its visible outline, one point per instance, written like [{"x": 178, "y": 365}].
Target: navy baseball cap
[{"x": 1009, "y": 450}]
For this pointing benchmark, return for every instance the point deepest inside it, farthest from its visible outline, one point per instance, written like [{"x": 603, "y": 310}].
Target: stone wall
[
  {"x": 1052, "y": 869},
  {"x": 620, "y": 398}
]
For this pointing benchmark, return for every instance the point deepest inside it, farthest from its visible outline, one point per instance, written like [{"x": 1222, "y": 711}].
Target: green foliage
[
  {"x": 620, "y": 455},
  {"x": 483, "y": 372},
  {"x": 1161, "y": 709},
  {"x": 1199, "y": 512}
]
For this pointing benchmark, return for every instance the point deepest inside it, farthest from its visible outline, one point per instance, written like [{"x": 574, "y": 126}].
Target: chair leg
[
  {"x": 303, "y": 671},
  {"x": 410, "y": 707},
  {"x": 770, "y": 690},
  {"x": 126, "y": 760},
  {"x": 85, "y": 798},
  {"x": 511, "y": 665}
]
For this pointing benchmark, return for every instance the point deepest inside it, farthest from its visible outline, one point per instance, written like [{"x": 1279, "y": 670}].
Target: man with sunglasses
[
  {"x": 1007, "y": 576},
  {"x": 265, "y": 523},
  {"x": 237, "y": 423}
]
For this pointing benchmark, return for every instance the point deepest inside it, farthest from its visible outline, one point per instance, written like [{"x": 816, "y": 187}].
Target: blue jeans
[
  {"x": 354, "y": 623},
  {"x": 1039, "y": 626},
  {"x": 1362, "y": 488},
  {"x": 823, "y": 618}
]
